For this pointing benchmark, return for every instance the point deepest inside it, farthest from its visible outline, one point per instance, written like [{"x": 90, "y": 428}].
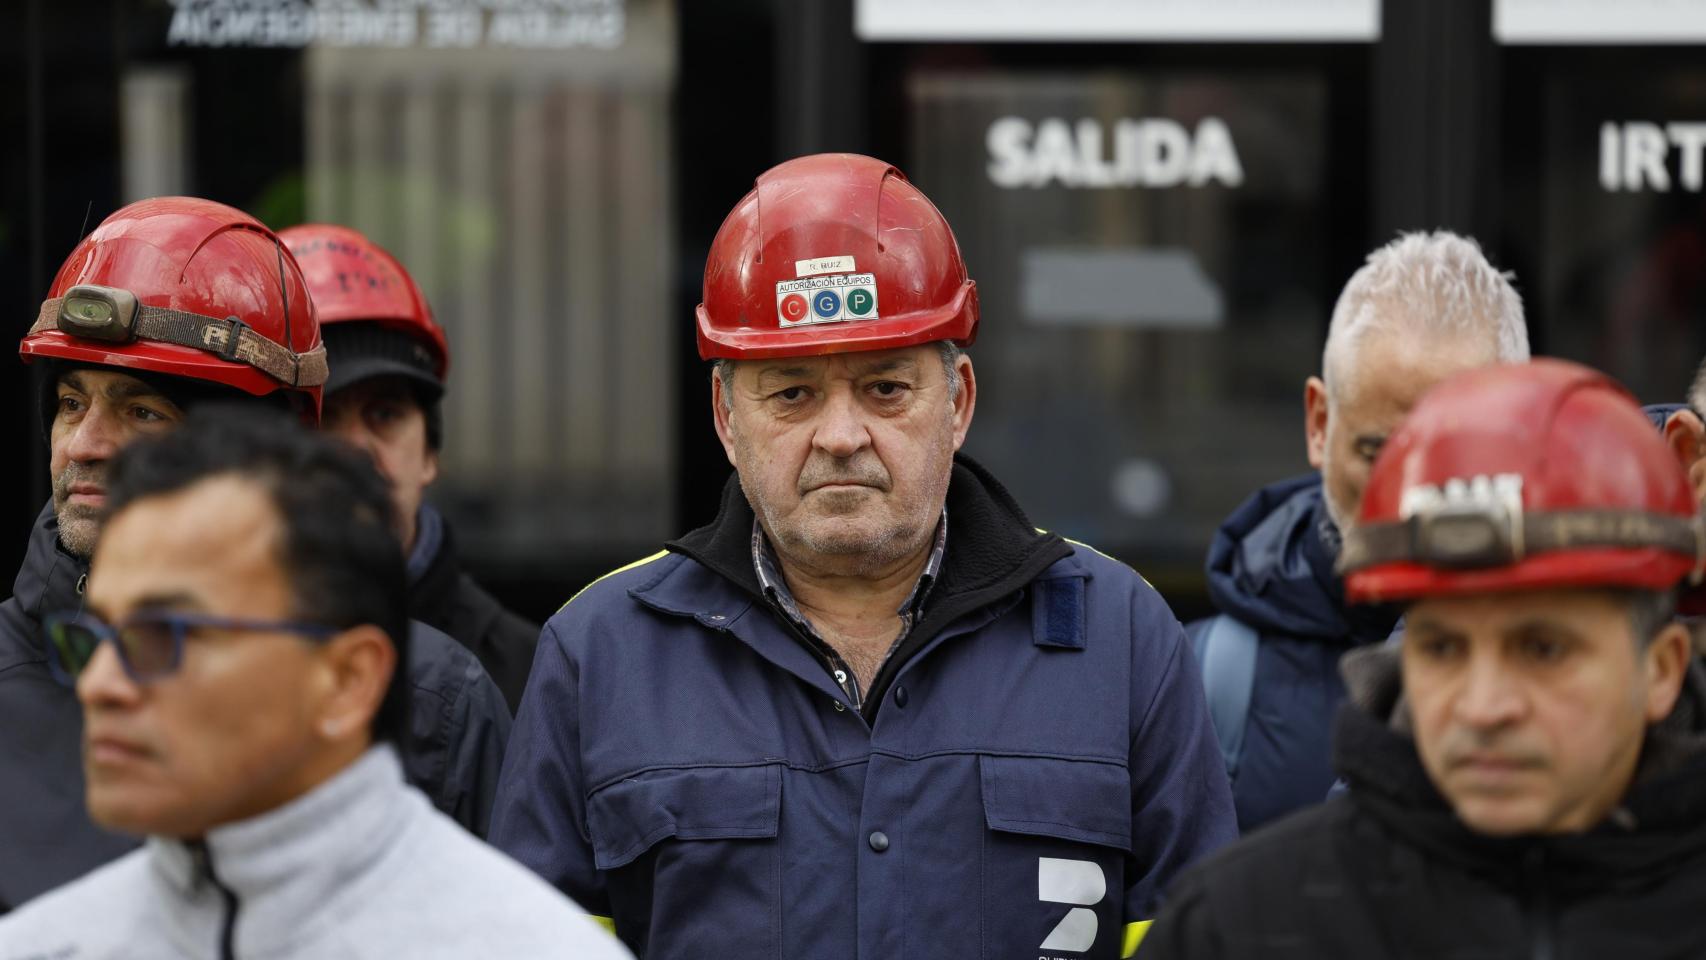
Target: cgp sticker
[{"x": 850, "y": 296}]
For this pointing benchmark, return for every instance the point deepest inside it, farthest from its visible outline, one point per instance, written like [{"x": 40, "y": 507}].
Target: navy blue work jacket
[{"x": 1033, "y": 766}]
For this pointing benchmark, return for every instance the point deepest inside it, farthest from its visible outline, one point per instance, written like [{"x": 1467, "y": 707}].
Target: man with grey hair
[{"x": 1422, "y": 308}]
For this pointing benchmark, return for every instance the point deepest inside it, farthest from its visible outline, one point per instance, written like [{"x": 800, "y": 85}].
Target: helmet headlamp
[{"x": 98, "y": 313}]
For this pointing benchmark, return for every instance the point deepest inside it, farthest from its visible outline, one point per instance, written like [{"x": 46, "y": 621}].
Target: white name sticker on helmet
[
  {"x": 850, "y": 296},
  {"x": 1498, "y": 492},
  {"x": 822, "y": 265}
]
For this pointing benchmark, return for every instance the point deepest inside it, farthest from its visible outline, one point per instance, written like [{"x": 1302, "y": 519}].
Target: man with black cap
[
  {"x": 169, "y": 304},
  {"x": 388, "y": 360}
]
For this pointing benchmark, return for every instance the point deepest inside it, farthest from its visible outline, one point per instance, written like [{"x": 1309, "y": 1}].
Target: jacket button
[
  {"x": 839, "y": 706},
  {"x": 879, "y": 841},
  {"x": 900, "y": 696}
]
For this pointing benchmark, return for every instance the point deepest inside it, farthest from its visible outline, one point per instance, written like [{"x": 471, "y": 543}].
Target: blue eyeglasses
[{"x": 150, "y": 645}]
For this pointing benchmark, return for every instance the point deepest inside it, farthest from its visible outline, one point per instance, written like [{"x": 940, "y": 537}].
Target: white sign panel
[
  {"x": 1116, "y": 20},
  {"x": 1602, "y": 22},
  {"x": 431, "y": 24}
]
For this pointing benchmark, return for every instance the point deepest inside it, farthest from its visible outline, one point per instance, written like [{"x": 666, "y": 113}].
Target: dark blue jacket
[
  {"x": 457, "y": 718},
  {"x": 1658, "y": 413},
  {"x": 1271, "y": 567},
  {"x": 1034, "y": 763}
]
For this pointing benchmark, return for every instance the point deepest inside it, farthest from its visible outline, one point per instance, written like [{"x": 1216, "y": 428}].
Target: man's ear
[
  {"x": 1668, "y": 657},
  {"x": 965, "y": 401},
  {"x": 1315, "y": 420},
  {"x": 1687, "y": 438},
  {"x": 356, "y": 671},
  {"x": 721, "y": 414}
]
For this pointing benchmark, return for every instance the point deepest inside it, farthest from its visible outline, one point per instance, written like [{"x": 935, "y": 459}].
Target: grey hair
[
  {"x": 1697, "y": 391},
  {"x": 1649, "y": 612},
  {"x": 947, "y": 349},
  {"x": 1445, "y": 287}
]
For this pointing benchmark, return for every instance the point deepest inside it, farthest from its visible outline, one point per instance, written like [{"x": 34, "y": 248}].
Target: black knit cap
[{"x": 361, "y": 350}]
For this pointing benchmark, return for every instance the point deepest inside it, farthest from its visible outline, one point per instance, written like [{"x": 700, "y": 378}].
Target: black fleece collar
[
  {"x": 993, "y": 551},
  {"x": 50, "y": 579},
  {"x": 1660, "y": 825}
]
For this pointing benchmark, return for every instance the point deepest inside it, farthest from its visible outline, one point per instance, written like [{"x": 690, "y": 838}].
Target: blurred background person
[
  {"x": 238, "y": 662},
  {"x": 1528, "y": 766},
  {"x": 388, "y": 363},
  {"x": 168, "y": 304},
  {"x": 1423, "y": 307}
]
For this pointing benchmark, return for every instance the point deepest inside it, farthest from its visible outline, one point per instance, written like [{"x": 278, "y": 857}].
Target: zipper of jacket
[
  {"x": 1542, "y": 918},
  {"x": 228, "y": 920}
]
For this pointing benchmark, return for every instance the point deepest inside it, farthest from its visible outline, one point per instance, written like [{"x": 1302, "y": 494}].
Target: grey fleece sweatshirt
[{"x": 361, "y": 866}]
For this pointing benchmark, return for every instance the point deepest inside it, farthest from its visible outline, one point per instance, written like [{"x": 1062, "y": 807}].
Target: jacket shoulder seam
[{"x": 661, "y": 554}]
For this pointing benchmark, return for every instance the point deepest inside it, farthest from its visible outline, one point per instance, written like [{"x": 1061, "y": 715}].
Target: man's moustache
[{"x": 868, "y": 478}]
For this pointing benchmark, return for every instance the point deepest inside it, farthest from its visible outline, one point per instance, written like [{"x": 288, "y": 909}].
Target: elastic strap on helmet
[
  {"x": 230, "y": 339},
  {"x": 1480, "y": 539}
]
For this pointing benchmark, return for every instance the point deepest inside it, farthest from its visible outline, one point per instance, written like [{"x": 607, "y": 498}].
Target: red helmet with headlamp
[
  {"x": 188, "y": 288},
  {"x": 833, "y": 253},
  {"x": 1530, "y": 476}
]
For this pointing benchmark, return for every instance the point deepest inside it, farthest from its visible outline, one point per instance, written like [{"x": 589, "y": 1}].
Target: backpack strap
[{"x": 1226, "y": 651}]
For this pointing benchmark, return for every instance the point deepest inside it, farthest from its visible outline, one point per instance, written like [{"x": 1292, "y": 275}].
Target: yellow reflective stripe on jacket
[
  {"x": 1134, "y": 935},
  {"x": 1080, "y": 543},
  {"x": 622, "y": 569},
  {"x": 607, "y": 923}
]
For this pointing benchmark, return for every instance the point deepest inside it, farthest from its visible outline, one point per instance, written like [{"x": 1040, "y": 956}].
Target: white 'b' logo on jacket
[{"x": 1078, "y": 882}]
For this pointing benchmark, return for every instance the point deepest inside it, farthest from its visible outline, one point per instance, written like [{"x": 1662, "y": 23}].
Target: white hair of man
[
  {"x": 1697, "y": 391},
  {"x": 1425, "y": 285}
]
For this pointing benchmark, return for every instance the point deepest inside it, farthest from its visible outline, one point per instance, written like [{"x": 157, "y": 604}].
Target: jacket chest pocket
[
  {"x": 691, "y": 860},
  {"x": 1059, "y": 834}
]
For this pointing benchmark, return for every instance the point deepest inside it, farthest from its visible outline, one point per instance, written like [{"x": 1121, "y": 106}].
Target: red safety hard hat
[
  {"x": 188, "y": 288},
  {"x": 833, "y": 253},
  {"x": 353, "y": 279},
  {"x": 1521, "y": 477}
]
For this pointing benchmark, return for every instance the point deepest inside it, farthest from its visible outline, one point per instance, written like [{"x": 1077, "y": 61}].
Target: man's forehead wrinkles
[
  {"x": 785, "y": 372},
  {"x": 886, "y": 365},
  {"x": 128, "y": 388},
  {"x": 113, "y": 385},
  {"x": 854, "y": 366}
]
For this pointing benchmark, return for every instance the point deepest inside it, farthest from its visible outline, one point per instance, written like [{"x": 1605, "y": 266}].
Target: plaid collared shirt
[{"x": 766, "y": 564}]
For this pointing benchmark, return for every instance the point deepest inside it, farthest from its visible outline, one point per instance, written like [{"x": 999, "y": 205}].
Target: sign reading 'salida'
[{"x": 1086, "y": 154}]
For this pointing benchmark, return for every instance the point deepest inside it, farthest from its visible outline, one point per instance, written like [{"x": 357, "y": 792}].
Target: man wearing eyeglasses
[
  {"x": 236, "y": 661},
  {"x": 169, "y": 304}
]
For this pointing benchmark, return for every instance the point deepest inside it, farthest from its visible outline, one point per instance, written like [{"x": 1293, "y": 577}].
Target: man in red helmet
[
  {"x": 870, "y": 710},
  {"x": 169, "y": 304},
  {"x": 1528, "y": 765},
  {"x": 388, "y": 360}
]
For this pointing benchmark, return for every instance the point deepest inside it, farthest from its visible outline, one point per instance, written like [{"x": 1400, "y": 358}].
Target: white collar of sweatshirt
[{"x": 293, "y": 868}]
